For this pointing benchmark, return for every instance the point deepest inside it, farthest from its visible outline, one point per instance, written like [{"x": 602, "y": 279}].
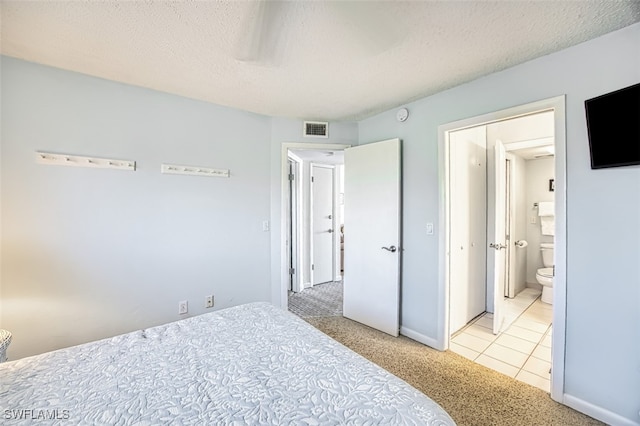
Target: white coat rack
[
  {"x": 78, "y": 161},
  {"x": 175, "y": 169}
]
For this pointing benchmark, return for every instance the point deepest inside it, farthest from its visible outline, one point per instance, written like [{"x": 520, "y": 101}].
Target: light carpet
[{"x": 472, "y": 394}]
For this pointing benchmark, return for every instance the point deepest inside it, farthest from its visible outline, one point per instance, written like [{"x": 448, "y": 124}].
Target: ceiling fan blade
[{"x": 263, "y": 41}]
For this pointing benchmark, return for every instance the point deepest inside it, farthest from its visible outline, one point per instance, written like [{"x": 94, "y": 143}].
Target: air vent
[{"x": 316, "y": 129}]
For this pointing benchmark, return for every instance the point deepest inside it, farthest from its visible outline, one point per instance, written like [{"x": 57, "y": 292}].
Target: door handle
[
  {"x": 330, "y": 231},
  {"x": 497, "y": 246},
  {"x": 392, "y": 249}
]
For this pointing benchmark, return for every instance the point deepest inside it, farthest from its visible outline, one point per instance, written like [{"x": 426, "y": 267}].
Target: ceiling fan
[{"x": 269, "y": 27}]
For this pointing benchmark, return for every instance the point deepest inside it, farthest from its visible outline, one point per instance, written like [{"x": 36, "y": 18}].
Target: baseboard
[
  {"x": 537, "y": 286},
  {"x": 307, "y": 285},
  {"x": 418, "y": 337},
  {"x": 596, "y": 412}
]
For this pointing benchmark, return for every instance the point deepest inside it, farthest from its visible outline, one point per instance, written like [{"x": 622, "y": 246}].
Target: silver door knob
[
  {"x": 330, "y": 231},
  {"x": 392, "y": 249},
  {"x": 497, "y": 246}
]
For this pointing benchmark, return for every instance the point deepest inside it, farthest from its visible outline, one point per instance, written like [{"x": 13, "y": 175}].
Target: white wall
[
  {"x": 538, "y": 171},
  {"x": 90, "y": 253},
  {"x": 602, "y": 373}
]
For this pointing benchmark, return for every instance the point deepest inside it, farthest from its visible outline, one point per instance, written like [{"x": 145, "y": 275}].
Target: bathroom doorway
[{"x": 470, "y": 173}]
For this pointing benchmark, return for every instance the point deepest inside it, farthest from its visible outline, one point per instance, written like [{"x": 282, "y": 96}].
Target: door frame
[
  {"x": 511, "y": 248},
  {"x": 294, "y": 218},
  {"x": 333, "y": 220},
  {"x": 556, "y": 104},
  {"x": 284, "y": 202},
  {"x": 499, "y": 208}
]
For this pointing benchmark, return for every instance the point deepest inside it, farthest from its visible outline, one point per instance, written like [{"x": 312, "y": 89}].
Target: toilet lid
[{"x": 546, "y": 272}]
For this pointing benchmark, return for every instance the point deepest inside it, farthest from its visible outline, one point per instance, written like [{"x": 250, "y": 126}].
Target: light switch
[
  {"x": 533, "y": 220},
  {"x": 429, "y": 228}
]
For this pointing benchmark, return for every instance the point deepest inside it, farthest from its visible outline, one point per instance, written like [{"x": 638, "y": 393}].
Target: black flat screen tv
[{"x": 613, "y": 125}]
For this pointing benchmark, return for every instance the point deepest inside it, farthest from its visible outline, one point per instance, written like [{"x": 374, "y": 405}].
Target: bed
[{"x": 250, "y": 364}]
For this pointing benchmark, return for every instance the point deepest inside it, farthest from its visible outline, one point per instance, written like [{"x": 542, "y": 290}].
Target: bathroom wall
[{"x": 538, "y": 173}]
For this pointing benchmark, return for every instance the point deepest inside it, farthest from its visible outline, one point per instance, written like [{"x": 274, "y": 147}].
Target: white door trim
[
  {"x": 284, "y": 200},
  {"x": 557, "y": 104},
  {"x": 297, "y": 222}
]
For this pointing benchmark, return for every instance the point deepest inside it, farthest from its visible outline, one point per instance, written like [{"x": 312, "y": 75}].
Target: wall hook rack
[
  {"x": 80, "y": 161},
  {"x": 175, "y": 169}
]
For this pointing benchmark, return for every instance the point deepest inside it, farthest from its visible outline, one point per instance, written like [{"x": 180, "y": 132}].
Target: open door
[
  {"x": 499, "y": 238},
  {"x": 372, "y": 224}
]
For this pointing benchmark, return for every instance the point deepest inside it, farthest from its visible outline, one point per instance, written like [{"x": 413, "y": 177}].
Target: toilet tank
[{"x": 547, "y": 254}]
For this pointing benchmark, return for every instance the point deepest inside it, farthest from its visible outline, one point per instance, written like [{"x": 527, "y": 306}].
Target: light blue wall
[
  {"x": 603, "y": 208},
  {"x": 90, "y": 253}
]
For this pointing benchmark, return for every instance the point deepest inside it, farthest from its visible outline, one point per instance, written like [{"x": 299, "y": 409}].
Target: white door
[
  {"x": 322, "y": 224},
  {"x": 372, "y": 253},
  {"x": 499, "y": 243},
  {"x": 467, "y": 225}
]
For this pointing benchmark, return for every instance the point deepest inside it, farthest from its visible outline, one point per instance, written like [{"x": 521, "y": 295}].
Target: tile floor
[{"x": 522, "y": 350}]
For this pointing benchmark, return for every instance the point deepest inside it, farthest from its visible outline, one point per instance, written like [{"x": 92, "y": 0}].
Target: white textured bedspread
[{"x": 252, "y": 364}]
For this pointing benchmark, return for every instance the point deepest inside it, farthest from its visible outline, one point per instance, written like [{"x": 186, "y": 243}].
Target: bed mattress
[{"x": 250, "y": 364}]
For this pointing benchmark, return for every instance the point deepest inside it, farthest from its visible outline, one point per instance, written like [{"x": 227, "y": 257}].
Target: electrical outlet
[
  {"x": 208, "y": 301},
  {"x": 183, "y": 307}
]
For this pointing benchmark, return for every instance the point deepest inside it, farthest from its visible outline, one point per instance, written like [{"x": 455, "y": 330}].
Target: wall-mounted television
[{"x": 613, "y": 125}]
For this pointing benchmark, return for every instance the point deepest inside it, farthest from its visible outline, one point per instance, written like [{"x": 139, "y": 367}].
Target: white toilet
[{"x": 545, "y": 275}]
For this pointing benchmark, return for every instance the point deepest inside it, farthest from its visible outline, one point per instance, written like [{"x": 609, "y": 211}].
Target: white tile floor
[{"x": 522, "y": 350}]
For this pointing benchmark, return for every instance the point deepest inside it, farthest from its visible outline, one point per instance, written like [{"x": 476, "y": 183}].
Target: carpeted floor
[
  {"x": 472, "y": 394},
  {"x": 321, "y": 300}
]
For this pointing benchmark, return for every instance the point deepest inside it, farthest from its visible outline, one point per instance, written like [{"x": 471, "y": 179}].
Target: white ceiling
[
  {"x": 315, "y": 60},
  {"x": 334, "y": 157},
  {"x": 530, "y": 136}
]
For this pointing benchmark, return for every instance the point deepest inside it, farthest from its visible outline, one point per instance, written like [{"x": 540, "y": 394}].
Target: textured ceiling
[{"x": 313, "y": 60}]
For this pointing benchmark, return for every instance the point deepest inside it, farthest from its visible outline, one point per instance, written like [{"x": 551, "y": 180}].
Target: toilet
[{"x": 545, "y": 275}]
